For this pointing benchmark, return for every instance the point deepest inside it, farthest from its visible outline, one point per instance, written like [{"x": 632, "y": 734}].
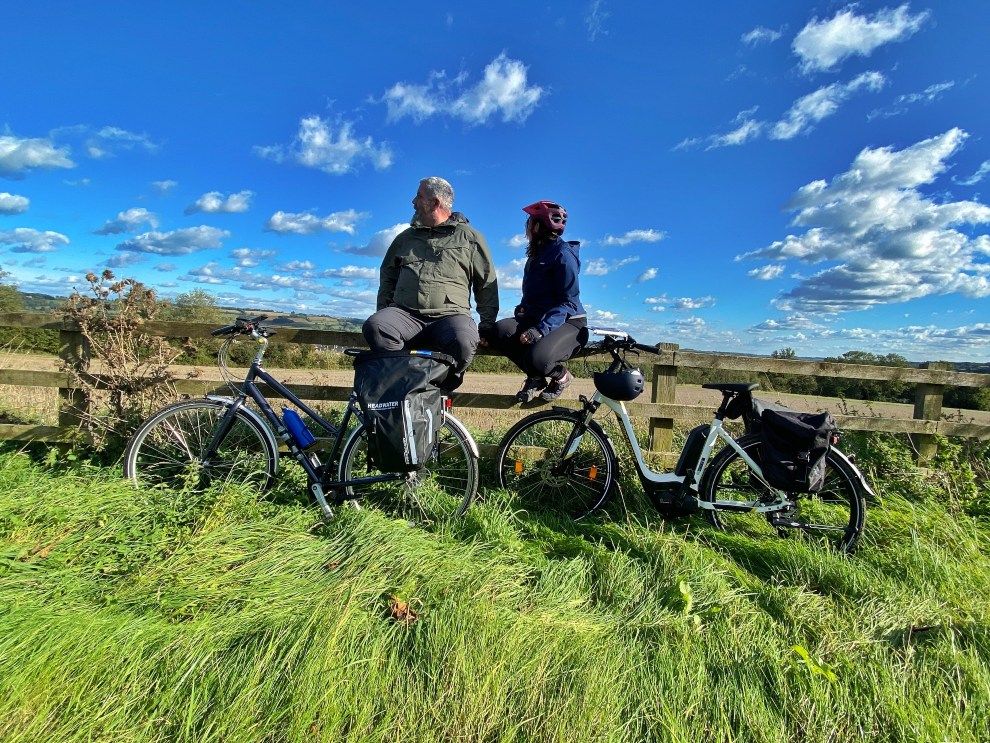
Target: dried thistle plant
[{"x": 132, "y": 376}]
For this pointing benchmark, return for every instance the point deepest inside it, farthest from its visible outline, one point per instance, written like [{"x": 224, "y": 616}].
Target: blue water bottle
[{"x": 297, "y": 429}]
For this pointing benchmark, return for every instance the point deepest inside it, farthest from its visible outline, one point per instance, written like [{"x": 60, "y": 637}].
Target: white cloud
[
  {"x": 350, "y": 272},
  {"x": 307, "y": 224},
  {"x": 885, "y": 240},
  {"x": 919, "y": 341},
  {"x": 58, "y": 284},
  {"x": 503, "y": 91},
  {"x": 297, "y": 266},
  {"x": 604, "y": 316},
  {"x": 978, "y": 176},
  {"x": 760, "y": 35},
  {"x": 13, "y": 204},
  {"x": 594, "y": 19},
  {"x": 177, "y": 242},
  {"x": 800, "y": 118},
  {"x": 164, "y": 267},
  {"x": 663, "y": 302},
  {"x": 747, "y": 130},
  {"x": 110, "y": 140},
  {"x": 163, "y": 187},
  {"x": 687, "y": 143},
  {"x": 128, "y": 221},
  {"x": 250, "y": 257},
  {"x": 510, "y": 277},
  {"x": 517, "y": 241},
  {"x": 28, "y": 240},
  {"x": 767, "y": 272},
  {"x": 796, "y": 322},
  {"x": 599, "y": 267},
  {"x": 215, "y": 202},
  {"x": 317, "y": 145},
  {"x": 812, "y": 108},
  {"x": 693, "y": 303},
  {"x": 379, "y": 242},
  {"x": 635, "y": 236},
  {"x": 17, "y": 156},
  {"x": 648, "y": 274},
  {"x": 821, "y": 45},
  {"x": 688, "y": 324},
  {"x": 900, "y": 105},
  {"x": 302, "y": 286},
  {"x": 120, "y": 260}
]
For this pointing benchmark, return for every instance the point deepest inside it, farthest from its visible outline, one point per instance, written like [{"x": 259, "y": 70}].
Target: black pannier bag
[
  {"x": 402, "y": 406},
  {"x": 794, "y": 449}
]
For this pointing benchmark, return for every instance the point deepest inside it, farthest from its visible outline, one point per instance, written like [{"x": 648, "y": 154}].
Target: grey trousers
[{"x": 394, "y": 329}]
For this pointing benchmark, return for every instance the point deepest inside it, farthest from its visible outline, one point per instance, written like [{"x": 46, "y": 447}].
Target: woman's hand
[{"x": 530, "y": 336}]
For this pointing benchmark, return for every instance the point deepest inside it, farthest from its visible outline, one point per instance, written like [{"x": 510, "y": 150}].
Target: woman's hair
[{"x": 541, "y": 236}]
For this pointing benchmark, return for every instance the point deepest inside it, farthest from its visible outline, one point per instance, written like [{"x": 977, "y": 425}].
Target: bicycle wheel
[
  {"x": 168, "y": 449},
  {"x": 529, "y": 463},
  {"x": 441, "y": 491},
  {"x": 832, "y": 516}
]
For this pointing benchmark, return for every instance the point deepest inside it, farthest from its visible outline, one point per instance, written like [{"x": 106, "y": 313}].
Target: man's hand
[
  {"x": 530, "y": 336},
  {"x": 486, "y": 334}
]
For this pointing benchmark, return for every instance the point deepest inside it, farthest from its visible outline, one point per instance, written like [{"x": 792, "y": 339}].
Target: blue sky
[{"x": 743, "y": 177}]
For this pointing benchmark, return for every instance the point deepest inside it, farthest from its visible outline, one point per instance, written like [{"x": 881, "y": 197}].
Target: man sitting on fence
[{"x": 427, "y": 275}]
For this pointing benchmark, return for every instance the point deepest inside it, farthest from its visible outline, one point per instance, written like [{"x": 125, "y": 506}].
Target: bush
[{"x": 134, "y": 375}]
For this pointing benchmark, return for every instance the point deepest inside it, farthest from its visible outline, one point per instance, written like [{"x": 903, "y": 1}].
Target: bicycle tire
[
  {"x": 535, "y": 471},
  {"x": 442, "y": 491},
  {"x": 166, "y": 450},
  {"x": 835, "y": 514}
]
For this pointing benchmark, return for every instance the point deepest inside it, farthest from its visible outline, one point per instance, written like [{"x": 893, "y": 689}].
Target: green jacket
[{"x": 431, "y": 271}]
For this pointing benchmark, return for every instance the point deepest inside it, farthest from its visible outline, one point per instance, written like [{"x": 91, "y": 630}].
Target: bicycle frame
[
  {"x": 315, "y": 472},
  {"x": 648, "y": 474}
]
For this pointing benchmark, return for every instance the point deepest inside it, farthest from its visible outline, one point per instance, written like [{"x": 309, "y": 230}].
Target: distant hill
[{"x": 37, "y": 302}]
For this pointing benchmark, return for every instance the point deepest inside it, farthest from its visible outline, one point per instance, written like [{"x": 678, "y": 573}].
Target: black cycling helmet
[{"x": 625, "y": 384}]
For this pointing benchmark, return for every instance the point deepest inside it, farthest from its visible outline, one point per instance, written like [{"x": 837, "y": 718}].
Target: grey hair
[{"x": 441, "y": 190}]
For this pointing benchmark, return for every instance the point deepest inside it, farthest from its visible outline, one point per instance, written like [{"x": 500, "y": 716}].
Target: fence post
[
  {"x": 664, "y": 391},
  {"x": 72, "y": 400},
  {"x": 928, "y": 406}
]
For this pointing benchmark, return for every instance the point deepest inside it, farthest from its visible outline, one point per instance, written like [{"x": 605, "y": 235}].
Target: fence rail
[{"x": 661, "y": 411}]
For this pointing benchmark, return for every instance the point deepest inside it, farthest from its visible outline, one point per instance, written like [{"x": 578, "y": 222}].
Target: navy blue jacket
[{"x": 550, "y": 291}]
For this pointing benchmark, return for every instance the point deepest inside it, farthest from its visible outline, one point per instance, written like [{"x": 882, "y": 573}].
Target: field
[{"x": 165, "y": 616}]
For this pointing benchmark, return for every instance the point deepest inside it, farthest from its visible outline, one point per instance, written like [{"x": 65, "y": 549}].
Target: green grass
[{"x": 147, "y": 616}]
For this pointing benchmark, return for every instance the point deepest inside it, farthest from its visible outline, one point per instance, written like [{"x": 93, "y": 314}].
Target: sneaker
[
  {"x": 556, "y": 386},
  {"x": 531, "y": 389}
]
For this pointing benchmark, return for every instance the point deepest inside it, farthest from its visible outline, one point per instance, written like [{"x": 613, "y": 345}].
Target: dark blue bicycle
[{"x": 194, "y": 444}]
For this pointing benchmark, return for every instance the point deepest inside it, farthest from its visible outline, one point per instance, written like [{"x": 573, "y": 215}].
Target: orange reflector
[
  {"x": 518, "y": 467},
  {"x": 593, "y": 473}
]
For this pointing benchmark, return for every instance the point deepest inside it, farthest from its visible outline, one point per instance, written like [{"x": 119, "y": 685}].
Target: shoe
[
  {"x": 556, "y": 386},
  {"x": 531, "y": 389}
]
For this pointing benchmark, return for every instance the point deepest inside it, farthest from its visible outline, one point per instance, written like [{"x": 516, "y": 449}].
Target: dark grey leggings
[{"x": 539, "y": 359}]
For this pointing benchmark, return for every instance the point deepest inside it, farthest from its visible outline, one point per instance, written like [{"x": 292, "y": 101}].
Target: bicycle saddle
[{"x": 736, "y": 387}]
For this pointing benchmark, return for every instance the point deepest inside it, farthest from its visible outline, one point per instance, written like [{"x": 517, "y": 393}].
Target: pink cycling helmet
[{"x": 550, "y": 215}]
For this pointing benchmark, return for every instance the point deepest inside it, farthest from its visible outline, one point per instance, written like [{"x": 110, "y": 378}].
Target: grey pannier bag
[{"x": 401, "y": 405}]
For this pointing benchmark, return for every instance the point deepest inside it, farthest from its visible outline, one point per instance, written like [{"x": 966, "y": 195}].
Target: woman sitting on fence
[{"x": 549, "y": 325}]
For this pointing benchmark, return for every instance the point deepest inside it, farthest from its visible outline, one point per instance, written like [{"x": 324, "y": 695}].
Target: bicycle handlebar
[{"x": 244, "y": 326}]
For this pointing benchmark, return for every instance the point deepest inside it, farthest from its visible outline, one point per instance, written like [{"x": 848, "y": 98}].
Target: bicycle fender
[
  {"x": 470, "y": 439},
  {"x": 859, "y": 475},
  {"x": 253, "y": 415}
]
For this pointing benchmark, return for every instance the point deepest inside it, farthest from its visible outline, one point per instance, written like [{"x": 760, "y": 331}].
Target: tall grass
[{"x": 153, "y": 616}]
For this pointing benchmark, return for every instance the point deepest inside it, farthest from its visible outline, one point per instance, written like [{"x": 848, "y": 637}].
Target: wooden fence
[{"x": 662, "y": 410}]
